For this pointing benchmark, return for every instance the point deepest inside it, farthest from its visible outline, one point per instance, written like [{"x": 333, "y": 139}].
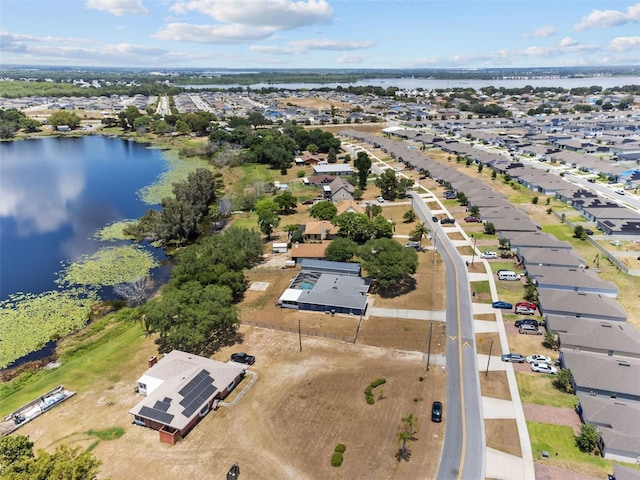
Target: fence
[
  {"x": 306, "y": 333},
  {"x": 610, "y": 256}
]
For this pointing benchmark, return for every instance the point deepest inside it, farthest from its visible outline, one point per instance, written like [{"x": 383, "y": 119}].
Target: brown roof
[
  {"x": 309, "y": 250},
  {"x": 315, "y": 228},
  {"x": 349, "y": 205}
]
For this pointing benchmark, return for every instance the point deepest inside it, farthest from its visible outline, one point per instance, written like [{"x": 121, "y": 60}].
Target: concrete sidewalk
[{"x": 411, "y": 314}]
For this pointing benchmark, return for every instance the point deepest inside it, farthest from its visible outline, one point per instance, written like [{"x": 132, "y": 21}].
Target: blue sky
[{"x": 343, "y": 34}]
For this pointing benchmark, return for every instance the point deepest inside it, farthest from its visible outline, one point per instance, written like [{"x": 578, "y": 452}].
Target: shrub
[
  {"x": 378, "y": 382},
  {"x": 587, "y": 441},
  {"x": 367, "y": 391},
  {"x": 370, "y": 400},
  {"x": 563, "y": 381},
  {"x": 336, "y": 459},
  {"x": 301, "y": 173},
  {"x": 340, "y": 448}
]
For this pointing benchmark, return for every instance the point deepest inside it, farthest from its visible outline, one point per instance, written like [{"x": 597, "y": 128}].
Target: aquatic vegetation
[
  {"x": 108, "y": 267},
  {"x": 178, "y": 171},
  {"x": 114, "y": 231},
  {"x": 28, "y": 322}
]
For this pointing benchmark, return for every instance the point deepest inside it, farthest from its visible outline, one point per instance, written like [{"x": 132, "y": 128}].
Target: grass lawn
[
  {"x": 537, "y": 388},
  {"x": 103, "y": 358},
  {"x": 559, "y": 441},
  {"x": 246, "y": 220}
]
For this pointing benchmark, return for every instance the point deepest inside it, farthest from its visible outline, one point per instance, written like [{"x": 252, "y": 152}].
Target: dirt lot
[{"x": 286, "y": 426}]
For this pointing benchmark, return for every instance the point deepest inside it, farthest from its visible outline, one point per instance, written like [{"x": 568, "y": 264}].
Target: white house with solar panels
[
  {"x": 328, "y": 287},
  {"x": 180, "y": 390}
]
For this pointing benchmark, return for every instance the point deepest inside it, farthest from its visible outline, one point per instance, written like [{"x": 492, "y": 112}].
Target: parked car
[
  {"x": 509, "y": 276},
  {"x": 380, "y": 199},
  {"x": 588, "y": 231},
  {"x": 434, "y": 219},
  {"x": 513, "y": 357},
  {"x": 620, "y": 192},
  {"x": 527, "y": 329},
  {"x": 436, "y": 412},
  {"x": 522, "y": 310},
  {"x": 472, "y": 219},
  {"x": 527, "y": 304},
  {"x": 422, "y": 177},
  {"x": 501, "y": 304},
  {"x": 415, "y": 245},
  {"x": 591, "y": 180},
  {"x": 241, "y": 357},
  {"x": 539, "y": 359},
  {"x": 447, "y": 220},
  {"x": 489, "y": 255},
  {"x": 527, "y": 321},
  {"x": 544, "y": 368}
]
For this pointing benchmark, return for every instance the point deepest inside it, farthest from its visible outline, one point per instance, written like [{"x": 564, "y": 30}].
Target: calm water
[
  {"x": 430, "y": 84},
  {"x": 55, "y": 193}
]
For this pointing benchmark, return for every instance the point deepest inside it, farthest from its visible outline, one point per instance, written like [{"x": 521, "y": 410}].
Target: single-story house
[
  {"x": 618, "y": 423},
  {"x": 570, "y": 279},
  {"x": 279, "y": 247},
  {"x": 180, "y": 389},
  {"x": 610, "y": 377},
  {"x": 349, "y": 206},
  {"x": 621, "y": 472},
  {"x": 519, "y": 240},
  {"x": 319, "y": 230},
  {"x": 587, "y": 305},
  {"x": 550, "y": 257},
  {"x": 338, "y": 169},
  {"x": 606, "y": 338},
  {"x": 302, "y": 251},
  {"x": 326, "y": 266},
  {"x": 339, "y": 190}
]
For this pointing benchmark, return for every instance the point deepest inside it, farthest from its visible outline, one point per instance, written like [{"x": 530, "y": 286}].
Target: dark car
[
  {"x": 422, "y": 177},
  {"x": 591, "y": 180},
  {"x": 447, "y": 220},
  {"x": 434, "y": 219},
  {"x": 241, "y": 357},
  {"x": 526, "y": 321},
  {"x": 513, "y": 357},
  {"x": 436, "y": 412},
  {"x": 472, "y": 219},
  {"x": 501, "y": 304},
  {"x": 588, "y": 231}
]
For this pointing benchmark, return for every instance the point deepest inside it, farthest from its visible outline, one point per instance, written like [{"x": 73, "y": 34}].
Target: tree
[
  {"x": 372, "y": 210},
  {"x": 64, "y": 117},
  {"x": 134, "y": 292},
  {"x": 489, "y": 228},
  {"x": 462, "y": 198},
  {"x": 418, "y": 233},
  {"x": 355, "y": 226},
  {"x": 341, "y": 249},
  {"x": 564, "y": 381},
  {"x": 331, "y": 156},
  {"x": 534, "y": 200},
  {"x": 579, "y": 232},
  {"x": 494, "y": 174},
  {"x": 480, "y": 167},
  {"x": 294, "y": 232},
  {"x": 382, "y": 227},
  {"x": 286, "y": 201},
  {"x": 404, "y": 453},
  {"x": 387, "y": 262},
  {"x": 474, "y": 211},
  {"x": 587, "y": 440},
  {"x": 18, "y": 462},
  {"x": 324, "y": 210},
  {"x": 409, "y": 216},
  {"x": 268, "y": 220},
  {"x": 550, "y": 340},
  {"x": 363, "y": 164}
]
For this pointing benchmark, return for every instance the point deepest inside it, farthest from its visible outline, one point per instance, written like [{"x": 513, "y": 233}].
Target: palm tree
[
  {"x": 420, "y": 232},
  {"x": 411, "y": 424},
  {"x": 404, "y": 453}
]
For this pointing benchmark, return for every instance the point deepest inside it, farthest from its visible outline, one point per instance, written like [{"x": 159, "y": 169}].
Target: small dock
[{"x": 34, "y": 409}]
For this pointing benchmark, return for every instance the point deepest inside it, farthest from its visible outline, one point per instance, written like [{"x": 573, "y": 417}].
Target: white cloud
[
  {"x": 542, "y": 32},
  {"x": 331, "y": 45},
  {"x": 269, "y": 50},
  {"x": 351, "y": 58},
  {"x": 568, "y": 42},
  {"x": 118, "y": 7},
  {"x": 221, "y": 34},
  {"x": 622, "y": 44},
  {"x": 276, "y": 14},
  {"x": 609, "y": 18}
]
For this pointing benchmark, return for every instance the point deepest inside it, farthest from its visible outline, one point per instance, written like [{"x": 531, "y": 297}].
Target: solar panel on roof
[
  {"x": 193, "y": 384},
  {"x": 162, "y": 406},
  {"x": 198, "y": 396},
  {"x": 154, "y": 414}
]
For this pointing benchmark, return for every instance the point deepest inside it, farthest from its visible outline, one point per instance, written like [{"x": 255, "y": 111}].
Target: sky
[{"x": 330, "y": 34}]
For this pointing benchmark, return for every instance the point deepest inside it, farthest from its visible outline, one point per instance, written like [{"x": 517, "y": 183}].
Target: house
[
  {"x": 349, "y": 206},
  {"x": 325, "y": 266},
  {"x": 519, "y": 240},
  {"x": 180, "y": 389},
  {"x": 551, "y": 257},
  {"x": 618, "y": 423},
  {"x": 570, "y": 279},
  {"x": 602, "y": 375},
  {"x": 337, "y": 169},
  {"x": 303, "y": 251},
  {"x": 620, "y": 472},
  {"x": 320, "y": 230},
  {"x": 339, "y": 190},
  {"x": 587, "y": 305},
  {"x": 326, "y": 292},
  {"x": 606, "y": 338},
  {"x": 279, "y": 247}
]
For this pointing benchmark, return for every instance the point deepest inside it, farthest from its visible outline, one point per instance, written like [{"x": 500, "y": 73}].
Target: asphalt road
[{"x": 464, "y": 452}]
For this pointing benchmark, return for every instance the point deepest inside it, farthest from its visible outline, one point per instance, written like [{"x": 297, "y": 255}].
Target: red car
[
  {"x": 472, "y": 219},
  {"x": 530, "y": 305}
]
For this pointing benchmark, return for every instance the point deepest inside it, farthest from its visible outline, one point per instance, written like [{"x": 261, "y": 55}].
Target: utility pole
[
  {"x": 299, "y": 335},
  {"x": 473, "y": 255},
  {"x": 486, "y": 374},
  {"x": 435, "y": 248},
  {"x": 429, "y": 349}
]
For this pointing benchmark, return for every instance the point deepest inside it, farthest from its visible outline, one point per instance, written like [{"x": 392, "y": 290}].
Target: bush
[
  {"x": 587, "y": 441},
  {"x": 367, "y": 391},
  {"x": 300, "y": 173},
  {"x": 370, "y": 400},
  {"x": 378, "y": 382},
  {"x": 563, "y": 381},
  {"x": 336, "y": 459},
  {"x": 341, "y": 448}
]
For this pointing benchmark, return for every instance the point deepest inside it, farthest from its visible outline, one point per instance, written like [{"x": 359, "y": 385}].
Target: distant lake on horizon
[
  {"x": 430, "y": 84},
  {"x": 56, "y": 193}
]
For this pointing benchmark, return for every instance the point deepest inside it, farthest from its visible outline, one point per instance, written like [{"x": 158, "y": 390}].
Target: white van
[{"x": 508, "y": 275}]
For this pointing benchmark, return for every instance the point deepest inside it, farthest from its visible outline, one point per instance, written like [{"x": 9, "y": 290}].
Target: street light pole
[
  {"x": 473, "y": 255},
  {"x": 429, "y": 349}
]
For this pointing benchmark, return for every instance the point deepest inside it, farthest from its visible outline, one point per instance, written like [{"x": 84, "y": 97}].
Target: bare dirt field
[
  {"x": 286, "y": 426},
  {"x": 502, "y": 434},
  {"x": 495, "y": 385}
]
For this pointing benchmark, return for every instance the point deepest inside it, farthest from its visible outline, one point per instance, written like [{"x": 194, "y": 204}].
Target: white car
[
  {"x": 543, "y": 368},
  {"x": 620, "y": 192},
  {"x": 489, "y": 255},
  {"x": 538, "y": 359}
]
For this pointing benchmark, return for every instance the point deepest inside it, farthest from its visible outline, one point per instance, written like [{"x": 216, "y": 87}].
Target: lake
[
  {"x": 410, "y": 83},
  {"x": 56, "y": 193}
]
